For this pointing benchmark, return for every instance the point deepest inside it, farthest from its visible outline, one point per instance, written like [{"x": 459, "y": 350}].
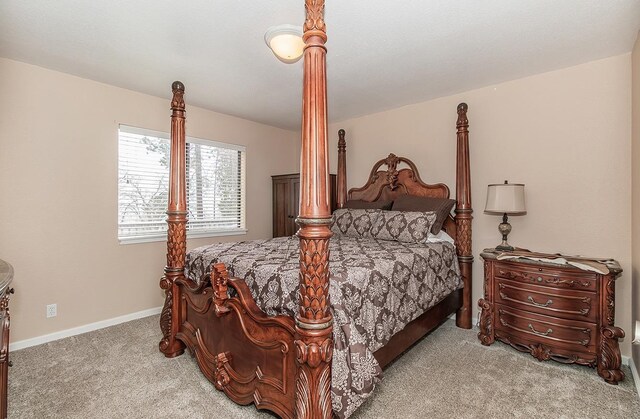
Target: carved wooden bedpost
[
  {"x": 463, "y": 216},
  {"x": 177, "y": 228},
  {"x": 342, "y": 170},
  {"x": 314, "y": 321}
]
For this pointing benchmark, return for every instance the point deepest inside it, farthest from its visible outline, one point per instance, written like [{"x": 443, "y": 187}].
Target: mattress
[{"x": 377, "y": 287}]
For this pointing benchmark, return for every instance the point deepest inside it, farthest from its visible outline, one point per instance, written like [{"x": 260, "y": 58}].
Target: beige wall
[
  {"x": 565, "y": 134},
  {"x": 58, "y": 193},
  {"x": 635, "y": 168}
]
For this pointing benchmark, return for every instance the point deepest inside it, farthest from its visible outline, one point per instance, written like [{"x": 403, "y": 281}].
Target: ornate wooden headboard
[{"x": 388, "y": 184}]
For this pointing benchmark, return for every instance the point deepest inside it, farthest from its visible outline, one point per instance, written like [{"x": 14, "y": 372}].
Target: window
[{"x": 215, "y": 186}]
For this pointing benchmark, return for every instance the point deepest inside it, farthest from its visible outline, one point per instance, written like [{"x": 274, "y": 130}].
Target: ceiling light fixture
[{"x": 286, "y": 42}]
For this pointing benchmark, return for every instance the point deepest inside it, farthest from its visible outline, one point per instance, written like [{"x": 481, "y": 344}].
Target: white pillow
[{"x": 442, "y": 236}]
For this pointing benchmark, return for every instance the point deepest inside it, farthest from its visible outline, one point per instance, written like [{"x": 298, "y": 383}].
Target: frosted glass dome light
[{"x": 286, "y": 42}]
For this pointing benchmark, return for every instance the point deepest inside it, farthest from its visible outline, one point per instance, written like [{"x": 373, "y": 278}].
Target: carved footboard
[{"x": 243, "y": 352}]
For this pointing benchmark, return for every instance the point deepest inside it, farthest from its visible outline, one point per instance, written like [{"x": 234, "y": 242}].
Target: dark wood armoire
[{"x": 286, "y": 202}]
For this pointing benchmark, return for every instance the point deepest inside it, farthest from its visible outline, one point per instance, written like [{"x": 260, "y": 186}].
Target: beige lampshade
[{"x": 505, "y": 198}]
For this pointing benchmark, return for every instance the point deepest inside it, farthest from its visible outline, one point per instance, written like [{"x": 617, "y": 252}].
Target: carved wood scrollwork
[
  {"x": 314, "y": 353},
  {"x": 165, "y": 319},
  {"x": 221, "y": 376},
  {"x": 536, "y": 278},
  {"x": 308, "y": 395},
  {"x": 392, "y": 170},
  {"x": 4, "y": 350},
  {"x": 610, "y": 294},
  {"x": 314, "y": 22},
  {"x": 540, "y": 352},
  {"x": 313, "y": 381},
  {"x": 544, "y": 353},
  {"x": 219, "y": 280},
  {"x": 610, "y": 360},
  {"x": 486, "y": 334},
  {"x": 486, "y": 328},
  {"x": 569, "y": 282}
]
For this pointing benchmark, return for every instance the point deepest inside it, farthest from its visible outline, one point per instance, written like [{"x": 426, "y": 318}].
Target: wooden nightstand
[{"x": 552, "y": 311}]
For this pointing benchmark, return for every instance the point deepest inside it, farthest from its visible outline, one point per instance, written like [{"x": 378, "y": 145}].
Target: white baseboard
[
  {"x": 636, "y": 377},
  {"x": 38, "y": 340}
]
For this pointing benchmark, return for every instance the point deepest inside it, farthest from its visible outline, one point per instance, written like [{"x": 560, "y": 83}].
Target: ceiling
[{"x": 382, "y": 53}]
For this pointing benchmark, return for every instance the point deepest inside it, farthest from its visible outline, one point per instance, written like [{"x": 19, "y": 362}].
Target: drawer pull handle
[
  {"x": 549, "y": 331},
  {"x": 539, "y": 279},
  {"x": 535, "y": 303}
]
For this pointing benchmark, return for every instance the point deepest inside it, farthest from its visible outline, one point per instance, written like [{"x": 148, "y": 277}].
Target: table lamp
[{"x": 505, "y": 199}]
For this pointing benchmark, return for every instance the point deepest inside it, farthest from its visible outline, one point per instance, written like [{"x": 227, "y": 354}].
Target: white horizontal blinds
[
  {"x": 143, "y": 184},
  {"x": 215, "y": 185}
]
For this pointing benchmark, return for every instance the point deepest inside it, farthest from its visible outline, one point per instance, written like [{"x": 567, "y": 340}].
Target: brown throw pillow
[
  {"x": 360, "y": 204},
  {"x": 403, "y": 226},
  {"x": 441, "y": 206}
]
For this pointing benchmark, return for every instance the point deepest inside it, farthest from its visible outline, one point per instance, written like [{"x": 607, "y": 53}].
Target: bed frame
[{"x": 281, "y": 363}]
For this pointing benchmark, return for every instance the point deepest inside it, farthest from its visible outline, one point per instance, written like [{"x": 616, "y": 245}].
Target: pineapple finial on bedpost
[
  {"x": 177, "y": 103},
  {"x": 463, "y": 215},
  {"x": 176, "y": 228},
  {"x": 314, "y": 321}
]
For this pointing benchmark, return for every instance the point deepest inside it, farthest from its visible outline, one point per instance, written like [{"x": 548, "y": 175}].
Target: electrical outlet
[{"x": 52, "y": 310}]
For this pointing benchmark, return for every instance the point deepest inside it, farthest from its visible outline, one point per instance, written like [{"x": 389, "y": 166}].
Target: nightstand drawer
[
  {"x": 552, "y": 277},
  {"x": 551, "y": 331},
  {"x": 566, "y": 304}
]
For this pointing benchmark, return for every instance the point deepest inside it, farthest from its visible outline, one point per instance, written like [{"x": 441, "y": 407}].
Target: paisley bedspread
[{"x": 377, "y": 287}]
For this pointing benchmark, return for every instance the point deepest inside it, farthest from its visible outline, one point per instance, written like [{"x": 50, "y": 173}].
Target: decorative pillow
[
  {"x": 360, "y": 204},
  {"x": 354, "y": 222},
  {"x": 441, "y": 206},
  {"x": 403, "y": 226},
  {"x": 440, "y": 237}
]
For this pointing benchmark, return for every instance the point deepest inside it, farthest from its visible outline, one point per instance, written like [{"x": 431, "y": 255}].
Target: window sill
[{"x": 195, "y": 235}]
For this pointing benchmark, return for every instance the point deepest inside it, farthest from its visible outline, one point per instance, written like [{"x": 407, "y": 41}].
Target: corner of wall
[{"x": 635, "y": 198}]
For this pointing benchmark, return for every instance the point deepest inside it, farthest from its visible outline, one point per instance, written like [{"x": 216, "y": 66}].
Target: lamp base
[{"x": 504, "y": 228}]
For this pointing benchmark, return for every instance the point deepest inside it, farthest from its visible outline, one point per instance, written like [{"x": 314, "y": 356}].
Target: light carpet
[{"x": 118, "y": 373}]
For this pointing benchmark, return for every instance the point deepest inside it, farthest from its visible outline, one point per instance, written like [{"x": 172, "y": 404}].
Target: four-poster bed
[{"x": 283, "y": 362}]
